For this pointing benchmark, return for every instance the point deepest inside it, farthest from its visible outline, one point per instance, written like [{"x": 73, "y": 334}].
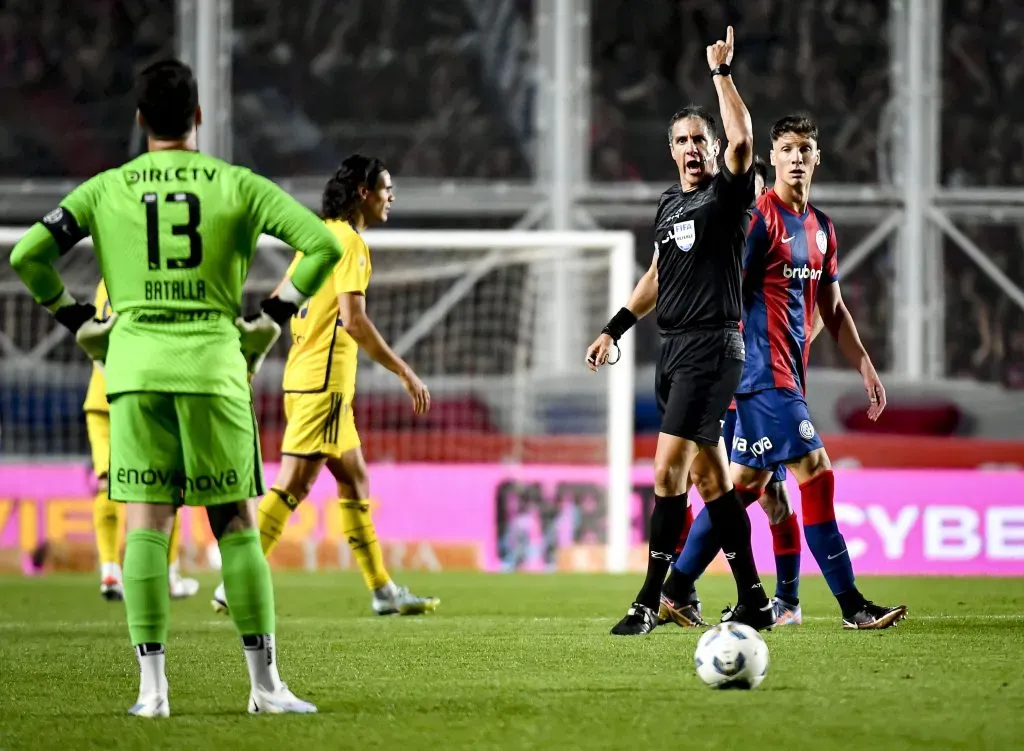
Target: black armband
[
  {"x": 64, "y": 228},
  {"x": 620, "y": 323},
  {"x": 278, "y": 309}
]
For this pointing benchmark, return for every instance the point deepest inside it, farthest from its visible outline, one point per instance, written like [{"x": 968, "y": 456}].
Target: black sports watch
[{"x": 722, "y": 70}]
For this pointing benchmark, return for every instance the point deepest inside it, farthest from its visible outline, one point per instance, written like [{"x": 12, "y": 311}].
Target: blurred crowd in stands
[
  {"x": 66, "y": 71},
  {"x": 443, "y": 89}
]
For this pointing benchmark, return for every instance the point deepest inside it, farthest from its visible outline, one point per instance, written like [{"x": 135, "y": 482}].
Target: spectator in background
[{"x": 416, "y": 70}]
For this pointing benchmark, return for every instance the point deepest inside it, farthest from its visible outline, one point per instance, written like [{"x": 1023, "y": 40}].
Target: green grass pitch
[{"x": 517, "y": 662}]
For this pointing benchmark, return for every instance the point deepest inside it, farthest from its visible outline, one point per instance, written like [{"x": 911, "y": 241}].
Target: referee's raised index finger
[{"x": 728, "y": 36}]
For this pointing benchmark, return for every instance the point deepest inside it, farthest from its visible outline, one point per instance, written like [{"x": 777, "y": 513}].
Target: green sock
[
  {"x": 147, "y": 599},
  {"x": 247, "y": 582}
]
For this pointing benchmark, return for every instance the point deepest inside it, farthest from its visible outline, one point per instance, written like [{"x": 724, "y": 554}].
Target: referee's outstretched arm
[{"x": 739, "y": 131}]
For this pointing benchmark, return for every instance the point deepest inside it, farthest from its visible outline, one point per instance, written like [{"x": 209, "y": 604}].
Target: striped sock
[
  {"x": 786, "y": 546},
  {"x": 824, "y": 539}
]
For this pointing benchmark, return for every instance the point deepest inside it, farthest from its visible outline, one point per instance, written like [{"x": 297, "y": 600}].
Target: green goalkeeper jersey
[{"x": 175, "y": 232}]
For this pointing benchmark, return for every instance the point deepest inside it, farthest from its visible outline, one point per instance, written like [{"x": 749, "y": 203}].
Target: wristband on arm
[
  {"x": 68, "y": 312},
  {"x": 620, "y": 323},
  {"x": 285, "y": 304}
]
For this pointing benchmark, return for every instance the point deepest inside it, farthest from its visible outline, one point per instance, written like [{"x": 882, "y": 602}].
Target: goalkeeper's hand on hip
[
  {"x": 259, "y": 333},
  {"x": 94, "y": 337},
  {"x": 91, "y": 333}
]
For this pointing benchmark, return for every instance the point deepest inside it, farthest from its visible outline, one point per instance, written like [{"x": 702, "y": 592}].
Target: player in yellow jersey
[
  {"x": 320, "y": 382},
  {"x": 108, "y": 515}
]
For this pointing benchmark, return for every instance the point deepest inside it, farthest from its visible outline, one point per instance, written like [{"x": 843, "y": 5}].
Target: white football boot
[
  {"x": 181, "y": 586},
  {"x": 394, "y": 600},
  {"x": 152, "y": 701},
  {"x": 111, "y": 582},
  {"x": 151, "y": 705},
  {"x": 279, "y": 701},
  {"x": 268, "y": 693},
  {"x": 219, "y": 603},
  {"x": 786, "y": 614}
]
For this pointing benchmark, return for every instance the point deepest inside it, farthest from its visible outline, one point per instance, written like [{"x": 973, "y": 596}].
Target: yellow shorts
[
  {"x": 319, "y": 425},
  {"x": 97, "y": 426}
]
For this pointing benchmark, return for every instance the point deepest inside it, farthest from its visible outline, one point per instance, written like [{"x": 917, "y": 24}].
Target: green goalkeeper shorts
[{"x": 191, "y": 449}]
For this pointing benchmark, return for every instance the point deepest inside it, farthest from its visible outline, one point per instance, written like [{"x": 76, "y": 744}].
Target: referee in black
[{"x": 694, "y": 283}]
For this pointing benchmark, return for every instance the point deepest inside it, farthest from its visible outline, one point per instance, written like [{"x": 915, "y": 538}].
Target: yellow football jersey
[
  {"x": 323, "y": 356},
  {"x": 96, "y": 394}
]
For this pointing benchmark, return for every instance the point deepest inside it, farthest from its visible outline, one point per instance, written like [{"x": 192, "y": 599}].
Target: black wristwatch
[{"x": 721, "y": 70}]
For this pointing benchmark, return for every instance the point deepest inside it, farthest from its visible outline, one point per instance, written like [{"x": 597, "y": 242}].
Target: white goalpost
[{"x": 485, "y": 317}]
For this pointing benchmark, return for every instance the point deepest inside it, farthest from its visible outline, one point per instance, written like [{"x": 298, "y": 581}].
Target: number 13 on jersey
[{"x": 189, "y": 229}]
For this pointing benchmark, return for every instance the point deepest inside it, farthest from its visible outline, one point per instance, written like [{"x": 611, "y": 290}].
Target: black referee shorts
[{"x": 695, "y": 379}]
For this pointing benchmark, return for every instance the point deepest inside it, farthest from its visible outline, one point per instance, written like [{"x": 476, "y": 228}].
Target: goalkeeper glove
[
  {"x": 260, "y": 332},
  {"x": 92, "y": 334},
  {"x": 94, "y": 337}
]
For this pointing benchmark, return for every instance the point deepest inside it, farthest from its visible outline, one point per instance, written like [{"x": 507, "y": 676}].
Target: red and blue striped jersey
[{"x": 787, "y": 256}]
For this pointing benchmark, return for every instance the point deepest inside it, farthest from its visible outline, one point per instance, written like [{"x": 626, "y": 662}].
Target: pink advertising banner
[{"x": 954, "y": 522}]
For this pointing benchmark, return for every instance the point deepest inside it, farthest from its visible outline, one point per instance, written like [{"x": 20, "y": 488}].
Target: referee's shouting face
[{"x": 694, "y": 150}]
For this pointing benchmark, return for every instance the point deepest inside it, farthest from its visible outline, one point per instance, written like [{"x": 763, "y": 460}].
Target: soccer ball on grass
[{"x": 731, "y": 655}]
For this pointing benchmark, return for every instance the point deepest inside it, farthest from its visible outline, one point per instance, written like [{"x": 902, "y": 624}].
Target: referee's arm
[
  {"x": 739, "y": 131},
  {"x": 641, "y": 302},
  {"x": 645, "y": 293}
]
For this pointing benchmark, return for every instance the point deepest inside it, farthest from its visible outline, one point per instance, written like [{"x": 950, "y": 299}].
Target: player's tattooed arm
[
  {"x": 838, "y": 320},
  {"x": 739, "y": 130}
]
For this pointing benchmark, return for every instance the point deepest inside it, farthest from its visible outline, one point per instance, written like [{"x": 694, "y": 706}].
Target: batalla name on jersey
[{"x": 178, "y": 290}]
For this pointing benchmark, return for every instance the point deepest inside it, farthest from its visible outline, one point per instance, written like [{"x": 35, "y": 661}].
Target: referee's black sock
[
  {"x": 729, "y": 519},
  {"x": 667, "y": 520}
]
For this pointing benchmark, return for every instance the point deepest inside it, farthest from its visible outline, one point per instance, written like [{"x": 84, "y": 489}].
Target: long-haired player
[{"x": 320, "y": 384}]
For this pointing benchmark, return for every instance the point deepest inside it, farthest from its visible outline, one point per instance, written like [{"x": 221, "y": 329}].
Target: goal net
[{"x": 496, "y": 323}]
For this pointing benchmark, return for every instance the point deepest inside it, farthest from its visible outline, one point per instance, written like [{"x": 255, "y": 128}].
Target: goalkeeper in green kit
[{"x": 174, "y": 233}]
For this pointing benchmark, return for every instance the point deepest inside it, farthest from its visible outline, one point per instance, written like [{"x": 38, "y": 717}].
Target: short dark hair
[
  {"x": 760, "y": 168},
  {"x": 800, "y": 124},
  {"x": 341, "y": 194},
  {"x": 167, "y": 96},
  {"x": 701, "y": 113}
]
